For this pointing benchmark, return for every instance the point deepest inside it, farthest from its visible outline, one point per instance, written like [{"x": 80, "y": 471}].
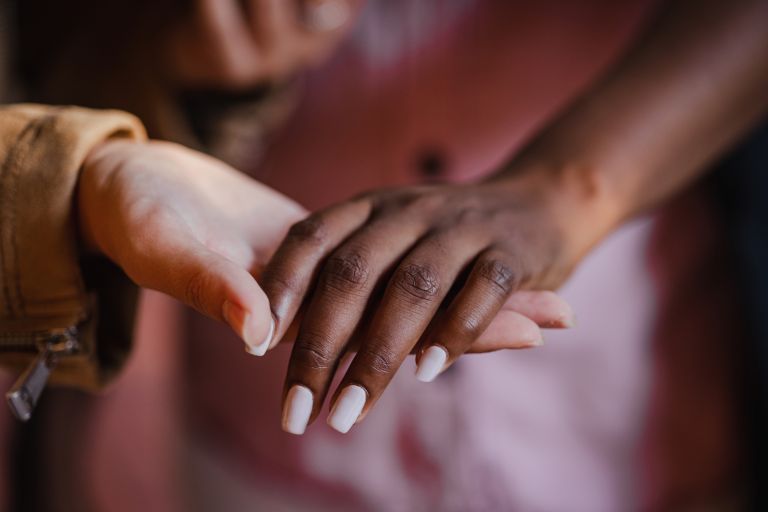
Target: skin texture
[
  {"x": 185, "y": 224},
  {"x": 188, "y": 225},
  {"x": 444, "y": 255},
  {"x": 397, "y": 270}
]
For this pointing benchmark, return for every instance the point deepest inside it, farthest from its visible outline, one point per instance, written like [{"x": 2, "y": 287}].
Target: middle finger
[
  {"x": 336, "y": 307},
  {"x": 417, "y": 288}
]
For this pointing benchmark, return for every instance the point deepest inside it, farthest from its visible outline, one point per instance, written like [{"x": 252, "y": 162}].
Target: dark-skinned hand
[{"x": 421, "y": 270}]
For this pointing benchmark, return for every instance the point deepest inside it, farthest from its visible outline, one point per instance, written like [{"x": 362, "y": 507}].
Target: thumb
[{"x": 216, "y": 287}]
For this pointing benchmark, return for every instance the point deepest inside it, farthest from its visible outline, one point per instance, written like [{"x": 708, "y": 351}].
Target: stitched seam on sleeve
[{"x": 9, "y": 176}]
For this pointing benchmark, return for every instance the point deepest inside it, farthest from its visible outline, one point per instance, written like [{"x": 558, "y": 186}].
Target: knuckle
[
  {"x": 418, "y": 281},
  {"x": 310, "y": 230},
  {"x": 470, "y": 324},
  {"x": 279, "y": 281},
  {"x": 378, "y": 359},
  {"x": 499, "y": 274},
  {"x": 313, "y": 352},
  {"x": 346, "y": 272}
]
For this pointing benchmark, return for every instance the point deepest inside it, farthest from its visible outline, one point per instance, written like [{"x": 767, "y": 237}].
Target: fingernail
[
  {"x": 539, "y": 342},
  {"x": 261, "y": 348},
  {"x": 243, "y": 323},
  {"x": 431, "y": 363},
  {"x": 274, "y": 341},
  {"x": 564, "y": 322},
  {"x": 347, "y": 408},
  {"x": 297, "y": 409}
]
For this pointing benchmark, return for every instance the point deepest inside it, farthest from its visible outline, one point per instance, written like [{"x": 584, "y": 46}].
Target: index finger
[{"x": 294, "y": 266}]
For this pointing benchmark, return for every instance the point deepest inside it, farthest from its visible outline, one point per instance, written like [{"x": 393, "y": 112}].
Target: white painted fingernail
[
  {"x": 261, "y": 348},
  {"x": 347, "y": 408},
  {"x": 431, "y": 363},
  {"x": 297, "y": 409}
]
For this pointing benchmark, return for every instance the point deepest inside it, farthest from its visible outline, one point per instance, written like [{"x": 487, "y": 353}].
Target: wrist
[
  {"x": 94, "y": 180},
  {"x": 574, "y": 194}
]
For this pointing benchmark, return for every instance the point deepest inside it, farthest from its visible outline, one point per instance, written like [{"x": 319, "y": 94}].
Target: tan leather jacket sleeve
[{"x": 45, "y": 287}]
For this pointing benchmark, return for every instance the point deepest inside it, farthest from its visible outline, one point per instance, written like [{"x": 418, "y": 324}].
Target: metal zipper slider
[{"x": 25, "y": 392}]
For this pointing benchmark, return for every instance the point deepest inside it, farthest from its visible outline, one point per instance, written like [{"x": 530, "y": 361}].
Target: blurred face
[{"x": 237, "y": 44}]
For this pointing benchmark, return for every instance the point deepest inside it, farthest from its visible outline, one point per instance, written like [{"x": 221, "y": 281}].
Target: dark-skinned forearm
[{"x": 694, "y": 83}]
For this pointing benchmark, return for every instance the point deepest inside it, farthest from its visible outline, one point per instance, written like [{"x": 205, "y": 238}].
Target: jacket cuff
[{"x": 41, "y": 286}]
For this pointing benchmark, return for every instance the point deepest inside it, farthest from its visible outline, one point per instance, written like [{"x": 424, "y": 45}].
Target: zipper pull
[
  {"x": 25, "y": 392},
  {"x": 23, "y": 395}
]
